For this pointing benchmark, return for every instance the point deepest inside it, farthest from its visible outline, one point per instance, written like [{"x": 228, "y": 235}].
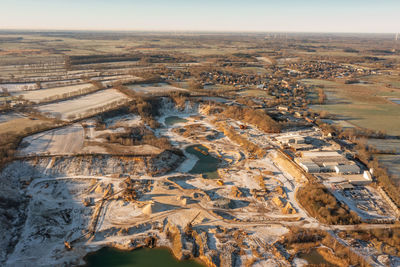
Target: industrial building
[
  {"x": 296, "y": 142},
  {"x": 291, "y": 139},
  {"x": 308, "y": 165},
  {"x": 347, "y": 169},
  {"x": 326, "y": 161},
  {"x": 354, "y": 179}
]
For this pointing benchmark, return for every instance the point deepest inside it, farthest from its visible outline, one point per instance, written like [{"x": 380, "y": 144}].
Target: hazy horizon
[{"x": 353, "y": 16}]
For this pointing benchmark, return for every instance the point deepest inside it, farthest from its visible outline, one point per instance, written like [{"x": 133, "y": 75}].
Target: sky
[{"x": 374, "y": 16}]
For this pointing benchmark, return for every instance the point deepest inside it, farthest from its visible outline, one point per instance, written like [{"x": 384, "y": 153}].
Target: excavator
[
  {"x": 188, "y": 228},
  {"x": 67, "y": 245}
]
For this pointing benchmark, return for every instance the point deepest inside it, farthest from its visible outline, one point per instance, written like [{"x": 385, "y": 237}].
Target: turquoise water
[
  {"x": 206, "y": 165},
  {"x": 313, "y": 257},
  {"x": 169, "y": 121},
  {"x": 144, "y": 257}
]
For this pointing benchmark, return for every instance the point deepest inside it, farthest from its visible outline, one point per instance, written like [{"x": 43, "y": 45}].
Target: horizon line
[{"x": 182, "y": 31}]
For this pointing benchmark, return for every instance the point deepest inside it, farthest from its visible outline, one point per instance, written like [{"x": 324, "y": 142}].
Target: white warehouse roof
[
  {"x": 310, "y": 167},
  {"x": 347, "y": 169},
  {"x": 316, "y": 154}
]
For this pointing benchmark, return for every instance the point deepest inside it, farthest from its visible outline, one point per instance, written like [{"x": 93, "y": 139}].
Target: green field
[
  {"x": 365, "y": 106},
  {"x": 254, "y": 70},
  {"x": 385, "y": 145},
  {"x": 255, "y": 93},
  {"x": 392, "y": 164}
]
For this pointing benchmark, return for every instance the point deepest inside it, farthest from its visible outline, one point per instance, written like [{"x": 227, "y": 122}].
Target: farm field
[
  {"x": 342, "y": 123},
  {"x": 21, "y": 124},
  {"x": 17, "y": 87},
  {"x": 388, "y": 80},
  {"x": 115, "y": 77},
  {"x": 66, "y": 140},
  {"x": 220, "y": 87},
  {"x": 377, "y": 117},
  {"x": 255, "y": 93},
  {"x": 38, "y": 96},
  {"x": 4, "y": 117},
  {"x": 84, "y": 106},
  {"x": 361, "y": 105},
  {"x": 106, "y": 65},
  {"x": 392, "y": 164},
  {"x": 265, "y": 60},
  {"x": 153, "y": 88},
  {"x": 386, "y": 145}
]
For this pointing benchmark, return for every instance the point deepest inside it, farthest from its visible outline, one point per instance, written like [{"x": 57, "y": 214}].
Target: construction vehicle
[
  {"x": 205, "y": 153},
  {"x": 243, "y": 127},
  {"x": 197, "y": 148},
  {"x": 220, "y": 182},
  {"x": 67, "y": 245},
  {"x": 189, "y": 226}
]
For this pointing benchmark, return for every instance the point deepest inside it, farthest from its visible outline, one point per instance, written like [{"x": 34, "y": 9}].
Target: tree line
[{"x": 255, "y": 117}]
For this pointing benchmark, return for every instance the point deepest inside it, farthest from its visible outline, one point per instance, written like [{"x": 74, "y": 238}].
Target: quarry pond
[
  {"x": 169, "y": 121},
  {"x": 144, "y": 257},
  {"x": 207, "y": 165},
  {"x": 314, "y": 257}
]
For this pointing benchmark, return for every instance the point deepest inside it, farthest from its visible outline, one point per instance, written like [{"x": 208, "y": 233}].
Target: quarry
[
  {"x": 106, "y": 199},
  {"x": 205, "y": 198}
]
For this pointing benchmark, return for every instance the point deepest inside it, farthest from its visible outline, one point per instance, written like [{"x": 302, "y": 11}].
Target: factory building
[
  {"x": 309, "y": 166},
  {"x": 326, "y": 161},
  {"x": 347, "y": 169},
  {"x": 354, "y": 179},
  {"x": 290, "y": 139}
]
